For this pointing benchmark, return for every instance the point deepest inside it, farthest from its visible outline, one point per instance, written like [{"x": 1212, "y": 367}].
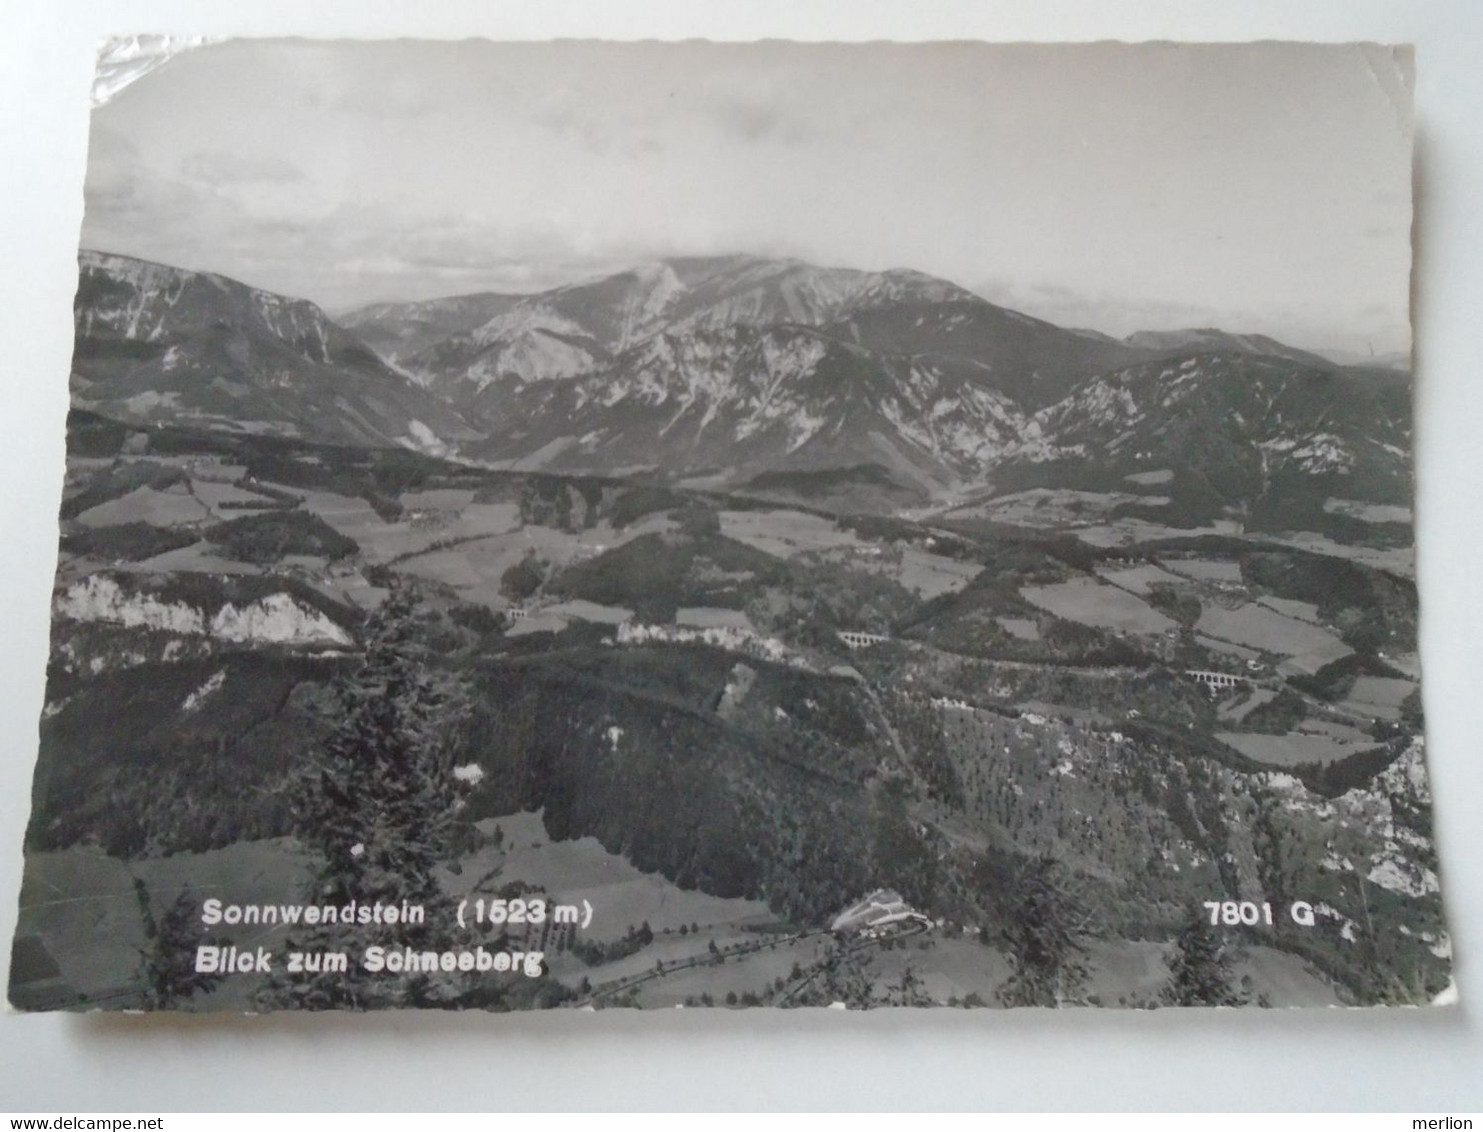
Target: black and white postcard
[{"x": 581, "y": 525}]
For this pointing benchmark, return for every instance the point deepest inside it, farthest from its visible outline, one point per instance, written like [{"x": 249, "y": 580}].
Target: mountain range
[
  {"x": 162, "y": 344},
  {"x": 739, "y": 366}
]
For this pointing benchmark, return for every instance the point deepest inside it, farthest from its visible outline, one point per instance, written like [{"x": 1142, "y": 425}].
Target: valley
[{"x": 767, "y": 586}]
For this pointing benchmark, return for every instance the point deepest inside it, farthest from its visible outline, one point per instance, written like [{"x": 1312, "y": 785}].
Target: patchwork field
[
  {"x": 1400, "y": 560},
  {"x": 1260, "y": 627},
  {"x": 1101, "y": 606},
  {"x": 1139, "y": 579},
  {"x": 1302, "y": 610},
  {"x": 174, "y": 507},
  {"x": 1368, "y": 512},
  {"x": 1009, "y": 706},
  {"x": 1128, "y": 532},
  {"x": 786, "y": 533},
  {"x": 1055, "y": 507},
  {"x": 1205, "y": 569},
  {"x": 214, "y": 494},
  {"x": 200, "y": 557},
  {"x": 476, "y": 564},
  {"x": 1227, "y": 648}
]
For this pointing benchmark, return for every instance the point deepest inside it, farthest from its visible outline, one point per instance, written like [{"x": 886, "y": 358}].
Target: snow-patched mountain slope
[
  {"x": 582, "y": 328},
  {"x": 159, "y": 343},
  {"x": 552, "y": 335},
  {"x": 894, "y": 366},
  {"x": 124, "y": 299},
  {"x": 756, "y": 398},
  {"x": 1268, "y": 436},
  {"x": 398, "y": 331},
  {"x": 741, "y": 365},
  {"x": 1029, "y": 359},
  {"x": 1265, "y": 400}
]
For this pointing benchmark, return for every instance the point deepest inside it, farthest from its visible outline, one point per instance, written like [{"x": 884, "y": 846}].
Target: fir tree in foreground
[
  {"x": 377, "y": 807},
  {"x": 376, "y": 810},
  {"x": 167, "y": 972},
  {"x": 1044, "y": 923},
  {"x": 1200, "y": 970}
]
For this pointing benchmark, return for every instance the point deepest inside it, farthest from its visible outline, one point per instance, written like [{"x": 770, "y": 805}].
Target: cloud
[
  {"x": 749, "y": 119},
  {"x": 383, "y": 91},
  {"x": 219, "y": 168},
  {"x": 561, "y": 113},
  {"x": 1118, "y": 315},
  {"x": 324, "y": 169},
  {"x": 255, "y": 222},
  {"x": 754, "y": 117}
]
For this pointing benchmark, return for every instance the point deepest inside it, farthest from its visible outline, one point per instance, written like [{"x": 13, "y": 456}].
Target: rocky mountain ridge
[{"x": 736, "y": 366}]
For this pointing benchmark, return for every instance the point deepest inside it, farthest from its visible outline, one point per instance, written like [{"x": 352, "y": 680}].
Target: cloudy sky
[{"x": 1262, "y": 189}]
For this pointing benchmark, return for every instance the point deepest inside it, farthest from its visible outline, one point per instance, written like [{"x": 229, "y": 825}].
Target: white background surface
[{"x": 1405, "y": 1060}]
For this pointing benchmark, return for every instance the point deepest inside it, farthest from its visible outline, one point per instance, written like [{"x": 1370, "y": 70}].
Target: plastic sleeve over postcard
[{"x": 590, "y": 524}]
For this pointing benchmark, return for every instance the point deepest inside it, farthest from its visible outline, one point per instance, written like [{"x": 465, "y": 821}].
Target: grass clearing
[
  {"x": 1379, "y": 696},
  {"x": 1151, "y": 479},
  {"x": 1283, "y": 978},
  {"x": 709, "y": 617},
  {"x": 932, "y": 575},
  {"x": 583, "y": 610},
  {"x": 1238, "y": 711},
  {"x": 439, "y": 499},
  {"x": 753, "y": 973},
  {"x": 451, "y": 567},
  {"x": 1022, "y": 627},
  {"x": 581, "y": 869},
  {"x": 1293, "y": 748},
  {"x": 96, "y": 931}
]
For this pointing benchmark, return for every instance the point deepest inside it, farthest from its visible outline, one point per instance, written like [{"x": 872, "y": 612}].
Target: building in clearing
[{"x": 882, "y": 911}]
